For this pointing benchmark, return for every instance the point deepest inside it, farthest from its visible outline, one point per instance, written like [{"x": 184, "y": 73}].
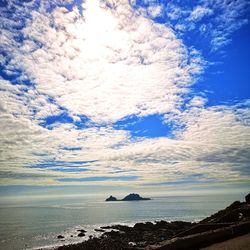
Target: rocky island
[
  {"x": 134, "y": 197},
  {"x": 130, "y": 197},
  {"x": 111, "y": 198}
]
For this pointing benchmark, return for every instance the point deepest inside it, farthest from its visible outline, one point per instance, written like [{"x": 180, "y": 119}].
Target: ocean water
[{"x": 36, "y": 223}]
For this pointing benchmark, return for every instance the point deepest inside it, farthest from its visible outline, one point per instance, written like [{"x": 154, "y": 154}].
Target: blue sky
[{"x": 131, "y": 94}]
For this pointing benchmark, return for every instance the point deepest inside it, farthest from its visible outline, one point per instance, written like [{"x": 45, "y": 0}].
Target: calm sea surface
[{"x": 37, "y": 223}]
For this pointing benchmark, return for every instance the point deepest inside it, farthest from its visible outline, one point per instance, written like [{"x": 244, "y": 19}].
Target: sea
[{"x": 36, "y": 223}]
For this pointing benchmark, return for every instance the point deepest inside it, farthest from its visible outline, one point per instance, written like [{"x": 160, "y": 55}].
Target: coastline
[{"x": 173, "y": 235}]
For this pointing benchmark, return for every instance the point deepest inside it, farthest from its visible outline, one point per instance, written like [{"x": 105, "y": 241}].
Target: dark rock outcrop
[
  {"x": 247, "y": 198},
  {"x": 60, "y": 237},
  {"x": 204, "y": 239},
  {"x": 81, "y": 230},
  {"x": 134, "y": 197},
  {"x": 111, "y": 198},
  {"x": 236, "y": 212},
  {"x": 81, "y": 235},
  {"x": 100, "y": 230}
]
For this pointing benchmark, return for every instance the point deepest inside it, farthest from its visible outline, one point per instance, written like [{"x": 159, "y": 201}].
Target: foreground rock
[
  {"x": 240, "y": 242},
  {"x": 81, "y": 235},
  {"x": 199, "y": 240},
  {"x": 247, "y": 198},
  {"x": 81, "y": 230},
  {"x": 236, "y": 212},
  {"x": 122, "y": 237},
  {"x": 96, "y": 244}
]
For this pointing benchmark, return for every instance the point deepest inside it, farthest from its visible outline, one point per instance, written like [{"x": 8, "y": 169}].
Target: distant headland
[{"x": 130, "y": 197}]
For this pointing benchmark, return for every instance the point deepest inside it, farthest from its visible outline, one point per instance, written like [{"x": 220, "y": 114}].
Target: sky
[{"x": 114, "y": 95}]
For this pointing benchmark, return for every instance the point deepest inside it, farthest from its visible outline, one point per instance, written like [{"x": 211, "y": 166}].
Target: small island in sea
[
  {"x": 111, "y": 198},
  {"x": 130, "y": 197}
]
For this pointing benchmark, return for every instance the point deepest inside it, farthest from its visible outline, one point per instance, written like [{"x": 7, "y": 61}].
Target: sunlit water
[{"x": 37, "y": 223}]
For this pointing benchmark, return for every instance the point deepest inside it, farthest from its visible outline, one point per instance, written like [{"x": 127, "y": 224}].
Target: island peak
[
  {"x": 111, "y": 198},
  {"x": 134, "y": 197}
]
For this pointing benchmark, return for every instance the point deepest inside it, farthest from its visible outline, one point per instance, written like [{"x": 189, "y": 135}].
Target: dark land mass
[
  {"x": 134, "y": 197},
  {"x": 226, "y": 224},
  {"x": 111, "y": 198},
  {"x": 130, "y": 197}
]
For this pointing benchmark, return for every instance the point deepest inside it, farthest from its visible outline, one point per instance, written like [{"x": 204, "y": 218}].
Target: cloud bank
[{"x": 70, "y": 72}]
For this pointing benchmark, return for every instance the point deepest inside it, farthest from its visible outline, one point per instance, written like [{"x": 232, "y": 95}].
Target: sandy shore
[{"x": 238, "y": 243}]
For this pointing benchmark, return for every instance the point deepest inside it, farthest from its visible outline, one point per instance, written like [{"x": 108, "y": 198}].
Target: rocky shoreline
[{"x": 225, "y": 224}]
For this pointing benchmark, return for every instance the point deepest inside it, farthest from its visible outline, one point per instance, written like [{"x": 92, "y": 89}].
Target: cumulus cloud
[
  {"x": 197, "y": 101},
  {"x": 155, "y": 11},
  {"x": 214, "y": 143},
  {"x": 215, "y": 20},
  {"x": 119, "y": 65},
  {"x": 199, "y": 12},
  {"x": 106, "y": 64},
  {"x": 231, "y": 16},
  {"x": 231, "y": 19}
]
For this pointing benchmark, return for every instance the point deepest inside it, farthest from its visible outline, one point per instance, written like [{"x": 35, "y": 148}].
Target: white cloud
[
  {"x": 199, "y": 12},
  {"x": 217, "y": 125},
  {"x": 155, "y": 11},
  {"x": 230, "y": 16},
  {"x": 214, "y": 143},
  {"x": 119, "y": 65},
  {"x": 213, "y": 146},
  {"x": 106, "y": 69},
  {"x": 175, "y": 12},
  {"x": 197, "y": 101},
  {"x": 215, "y": 20}
]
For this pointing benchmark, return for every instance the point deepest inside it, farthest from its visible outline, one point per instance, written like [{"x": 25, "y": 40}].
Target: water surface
[{"x": 37, "y": 223}]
